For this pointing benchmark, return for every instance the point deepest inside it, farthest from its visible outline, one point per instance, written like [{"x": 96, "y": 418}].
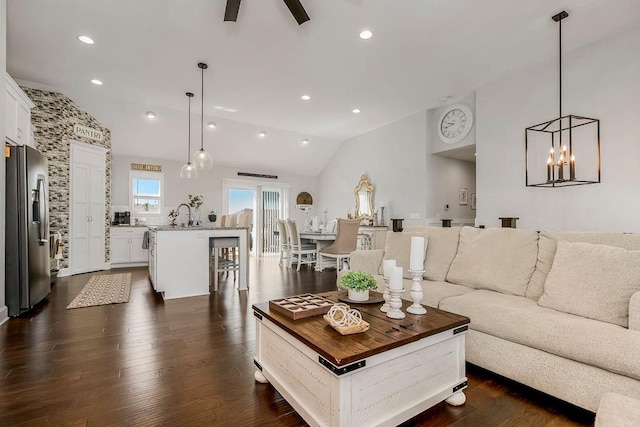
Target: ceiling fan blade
[
  {"x": 231, "y": 11},
  {"x": 297, "y": 10}
]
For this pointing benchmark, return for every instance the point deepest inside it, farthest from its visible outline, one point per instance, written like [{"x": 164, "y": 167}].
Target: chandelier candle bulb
[
  {"x": 417, "y": 253},
  {"x": 572, "y": 168},
  {"x": 395, "y": 279},
  {"x": 560, "y": 170},
  {"x": 549, "y": 168}
]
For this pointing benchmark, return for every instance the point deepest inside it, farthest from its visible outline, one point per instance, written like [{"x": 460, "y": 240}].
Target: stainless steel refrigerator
[{"x": 27, "y": 256}]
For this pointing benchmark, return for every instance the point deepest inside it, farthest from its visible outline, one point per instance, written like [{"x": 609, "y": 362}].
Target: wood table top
[{"x": 383, "y": 334}]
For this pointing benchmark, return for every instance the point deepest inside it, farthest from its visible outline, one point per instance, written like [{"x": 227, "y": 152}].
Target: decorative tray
[
  {"x": 301, "y": 306},
  {"x": 374, "y": 298}
]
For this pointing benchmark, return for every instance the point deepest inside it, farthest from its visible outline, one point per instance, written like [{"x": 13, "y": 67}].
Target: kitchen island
[{"x": 179, "y": 258}]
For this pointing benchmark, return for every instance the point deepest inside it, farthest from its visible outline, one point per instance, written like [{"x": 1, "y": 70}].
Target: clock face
[{"x": 455, "y": 124}]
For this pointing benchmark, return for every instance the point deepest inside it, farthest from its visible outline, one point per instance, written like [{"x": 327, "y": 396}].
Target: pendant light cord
[
  {"x": 189, "y": 132},
  {"x": 560, "y": 67},
  {"x": 202, "y": 111}
]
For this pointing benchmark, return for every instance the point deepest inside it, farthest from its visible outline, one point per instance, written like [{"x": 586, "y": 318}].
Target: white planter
[{"x": 358, "y": 295}]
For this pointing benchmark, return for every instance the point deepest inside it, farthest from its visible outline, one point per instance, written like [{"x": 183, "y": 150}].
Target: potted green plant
[{"x": 358, "y": 284}]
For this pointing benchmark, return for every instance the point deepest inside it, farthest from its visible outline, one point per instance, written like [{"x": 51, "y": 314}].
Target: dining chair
[
  {"x": 300, "y": 254},
  {"x": 345, "y": 243},
  {"x": 285, "y": 248}
]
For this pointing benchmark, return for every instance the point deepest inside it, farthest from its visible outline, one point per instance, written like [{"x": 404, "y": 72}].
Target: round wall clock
[{"x": 455, "y": 123}]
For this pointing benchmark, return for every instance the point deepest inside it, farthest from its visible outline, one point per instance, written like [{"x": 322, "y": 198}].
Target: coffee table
[{"x": 384, "y": 376}]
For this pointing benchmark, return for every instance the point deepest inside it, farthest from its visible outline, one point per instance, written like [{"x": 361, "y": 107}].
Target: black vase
[{"x": 212, "y": 217}]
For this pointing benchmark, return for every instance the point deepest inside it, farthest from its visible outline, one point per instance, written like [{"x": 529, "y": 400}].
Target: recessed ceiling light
[
  {"x": 230, "y": 110},
  {"x": 211, "y": 125},
  {"x": 355, "y": 110},
  {"x": 262, "y": 134},
  {"x": 305, "y": 141},
  {"x": 305, "y": 97},
  {"x": 366, "y": 35},
  {"x": 96, "y": 82},
  {"x": 445, "y": 98},
  {"x": 151, "y": 115},
  {"x": 86, "y": 39},
  {"x": 218, "y": 107}
]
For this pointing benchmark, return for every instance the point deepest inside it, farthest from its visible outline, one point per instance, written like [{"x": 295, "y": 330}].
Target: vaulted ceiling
[{"x": 146, "y": 52}]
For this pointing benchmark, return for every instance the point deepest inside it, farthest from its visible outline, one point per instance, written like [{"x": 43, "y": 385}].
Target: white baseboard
[
  {"x": 130, "y": 264},
  {"x": 4, "y": 314}
]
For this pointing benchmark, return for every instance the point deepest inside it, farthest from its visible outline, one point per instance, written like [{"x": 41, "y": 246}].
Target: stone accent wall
[{"x": 54, "y": 117}]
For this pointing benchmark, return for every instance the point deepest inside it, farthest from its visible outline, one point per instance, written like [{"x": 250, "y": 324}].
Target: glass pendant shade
[
  {"x": 188, "y": 171},
  {"x": 202, "y": 159}
]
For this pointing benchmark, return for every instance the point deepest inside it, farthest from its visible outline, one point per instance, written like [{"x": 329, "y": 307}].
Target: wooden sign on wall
[
  {"x": 87, "y": 132},
  {"x": 144, "y": 167}
]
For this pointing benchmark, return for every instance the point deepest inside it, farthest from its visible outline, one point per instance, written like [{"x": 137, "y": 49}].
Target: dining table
[{"x": 322, "y": 240}]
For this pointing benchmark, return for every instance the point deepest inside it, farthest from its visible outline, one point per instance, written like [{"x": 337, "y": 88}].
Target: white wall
[
  {"x": 3, "y": 67},
  {"x": 445, "y": 177},
  {"x": 600, "y": 81},
  {"x": 393, "y": 157},
  {"x": 209, "y": 184}
]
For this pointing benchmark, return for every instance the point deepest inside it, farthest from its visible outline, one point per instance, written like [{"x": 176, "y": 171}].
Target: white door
[{"x": 87, "y": 220}]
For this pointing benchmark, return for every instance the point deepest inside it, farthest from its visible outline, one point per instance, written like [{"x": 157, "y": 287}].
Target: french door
[{"x": 269, "y": 203}]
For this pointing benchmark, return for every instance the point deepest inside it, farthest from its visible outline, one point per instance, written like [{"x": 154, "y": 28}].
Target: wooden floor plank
[{"x": 190, "y": 362}]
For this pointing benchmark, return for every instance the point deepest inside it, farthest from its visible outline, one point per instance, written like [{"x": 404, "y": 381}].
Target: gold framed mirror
[{"x": 364, "y": 198}]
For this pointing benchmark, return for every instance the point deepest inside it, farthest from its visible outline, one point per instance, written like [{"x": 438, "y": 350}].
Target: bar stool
[{"x": 221, "y": 263}]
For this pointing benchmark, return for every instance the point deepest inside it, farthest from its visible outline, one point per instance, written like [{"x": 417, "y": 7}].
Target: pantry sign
[{"x": 87, "y": 132}]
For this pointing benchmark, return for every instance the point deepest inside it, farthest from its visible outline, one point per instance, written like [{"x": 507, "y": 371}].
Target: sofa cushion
[
  {"x": 397, "y": 246},
  {"x": 441, "y": 250},
  {"x": 616, "y": 410},
  {"x": 594, "y": 281},
  {"x": 547, "y": 251},
  {"x": 523, "y": 321},
  {"x": 434, "y": 292},
  {"x": 500, "y": 259}
]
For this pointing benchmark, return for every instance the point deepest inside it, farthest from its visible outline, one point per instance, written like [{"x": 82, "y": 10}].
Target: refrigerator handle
[{"x": 38, "y": 215}]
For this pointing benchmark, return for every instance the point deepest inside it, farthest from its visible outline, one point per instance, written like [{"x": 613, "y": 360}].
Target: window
[{"x": 146, "y": 192}]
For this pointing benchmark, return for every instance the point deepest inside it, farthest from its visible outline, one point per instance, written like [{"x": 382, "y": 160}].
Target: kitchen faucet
[{"x": 189, "y": 223}]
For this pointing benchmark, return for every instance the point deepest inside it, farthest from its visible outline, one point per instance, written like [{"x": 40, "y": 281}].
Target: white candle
[
  {"x": 416, "y": 262},
  {"x": 395, "y": 278},
  {"x": 386, "y": 267}
]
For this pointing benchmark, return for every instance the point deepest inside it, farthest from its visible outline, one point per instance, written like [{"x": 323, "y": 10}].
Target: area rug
[{"x": 104, "y": 289}]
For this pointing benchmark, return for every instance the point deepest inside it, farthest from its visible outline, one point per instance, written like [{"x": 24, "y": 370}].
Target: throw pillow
[
  {"x": 594, "y": 281},
  {"x": 497, "y": 259},
  {"x": 398, "y": 246}
]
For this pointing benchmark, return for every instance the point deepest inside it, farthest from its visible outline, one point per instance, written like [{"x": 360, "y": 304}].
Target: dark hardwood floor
[{"x": 190, "y": 362}]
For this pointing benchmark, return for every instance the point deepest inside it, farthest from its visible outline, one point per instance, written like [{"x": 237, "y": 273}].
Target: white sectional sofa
[{"x": 559, "y": 312}]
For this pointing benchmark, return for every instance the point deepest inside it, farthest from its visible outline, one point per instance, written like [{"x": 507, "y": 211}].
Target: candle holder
[
  {"x": 395, "y": 304},
  {"x": 386, "y": 296},
  {"x": 416, "y": 293}
]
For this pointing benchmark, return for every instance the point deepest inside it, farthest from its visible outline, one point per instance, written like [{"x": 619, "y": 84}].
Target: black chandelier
[{"x": 552, "y": 147}]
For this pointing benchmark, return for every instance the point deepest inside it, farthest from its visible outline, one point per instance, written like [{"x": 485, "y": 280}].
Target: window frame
[{"x": 145, "y": 175}]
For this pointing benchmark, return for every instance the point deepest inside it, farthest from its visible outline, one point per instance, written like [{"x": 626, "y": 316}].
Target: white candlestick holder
[
  {"x": 416, "y": 293},
  {"x": 386, "y": 296},
  {"x": 395, "y": 304}
]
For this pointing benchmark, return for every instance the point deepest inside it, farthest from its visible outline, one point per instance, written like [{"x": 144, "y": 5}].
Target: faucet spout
[{"x": 188, "y": 211}]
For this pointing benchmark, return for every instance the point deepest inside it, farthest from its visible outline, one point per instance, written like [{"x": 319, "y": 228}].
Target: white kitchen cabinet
[
  {"x": 17, "y": 113},
  {"x": 87, "y": 222},
  {"x": 126, "y": 247}
]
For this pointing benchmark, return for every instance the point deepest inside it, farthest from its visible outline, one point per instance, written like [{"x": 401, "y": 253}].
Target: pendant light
[
  {"x": 553, "y": 148},
  {"x": 189, "y": 171},
  {"x": 202, "y": 159}
]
